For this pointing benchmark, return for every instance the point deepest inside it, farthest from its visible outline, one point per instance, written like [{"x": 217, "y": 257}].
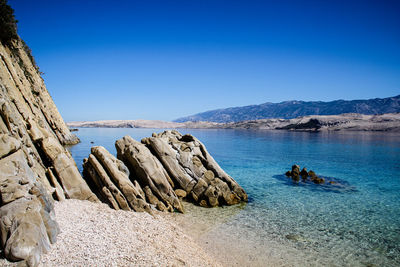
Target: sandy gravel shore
[{"x": 95, "y": 235}]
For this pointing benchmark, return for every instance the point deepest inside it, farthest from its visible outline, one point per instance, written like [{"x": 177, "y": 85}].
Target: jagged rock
[
  {"x": 161, "y": 170},
  {"x": 314, "y": 178},
  {"x": 58, "y": 193},
  {"x": 111, "y": 178},
  {"x": 296, "y": 168},
  {"x": 295, "y": 173},
  {"x": 27, "y": 222},
  {"x": 199, "y": 189},
  {"x": 304, "y": 174},
  {"x": 312, "y": 174},
  {"x": 194, "y": 170},
  {"x": 65, "y": 167},
  {"x": 29, "y": 120},
  {"x": 318, "y": 180},
  {"x": 168, "y": 157},
  {"x": 100, "y": 178},
  {"x": 34, "y": 166},
  {"x": 148, "y": 170},
  {"x": 8, "y": 145}
]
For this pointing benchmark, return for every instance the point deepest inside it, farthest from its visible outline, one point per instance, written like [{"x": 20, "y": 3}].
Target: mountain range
[{"x": 293, "y": 109}]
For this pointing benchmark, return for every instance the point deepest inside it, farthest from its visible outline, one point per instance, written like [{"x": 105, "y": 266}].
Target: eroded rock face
[
  {"x": 164, "y": 169},
  {"x": 35, "y": 168},
  {"x": 194, "y": 170},
  {"x": 149, "y": 172},
  {"x": 109, "y": 178},
  {"x": 27, "y": 220}
]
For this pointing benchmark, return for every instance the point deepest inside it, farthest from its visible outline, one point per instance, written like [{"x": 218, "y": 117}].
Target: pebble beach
[{"x": 92, "y": 234}]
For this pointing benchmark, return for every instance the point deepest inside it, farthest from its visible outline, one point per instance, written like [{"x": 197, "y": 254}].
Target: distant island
[
  {"x": 294, "y": 109},
  {"x": 345, "y": 122}
]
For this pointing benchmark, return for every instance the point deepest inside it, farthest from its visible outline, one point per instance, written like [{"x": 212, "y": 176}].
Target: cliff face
[{"x": 35, "y": 168}]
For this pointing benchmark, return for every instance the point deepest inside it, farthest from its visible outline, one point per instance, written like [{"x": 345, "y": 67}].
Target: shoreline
[
  {"x": 352, "y": 122},
  {"x": 92, "y": 234},
  {"x": 214, "y": 230}
]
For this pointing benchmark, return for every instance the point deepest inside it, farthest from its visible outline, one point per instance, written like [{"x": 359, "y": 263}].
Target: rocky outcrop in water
[
  {"x": 295, "y": 174},
  {"x": 163, "y": 169},
  {"x": 35, "y": 168}
]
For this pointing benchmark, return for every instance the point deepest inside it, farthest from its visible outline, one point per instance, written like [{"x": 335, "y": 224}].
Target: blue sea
[{"x": 354, "y": 222}]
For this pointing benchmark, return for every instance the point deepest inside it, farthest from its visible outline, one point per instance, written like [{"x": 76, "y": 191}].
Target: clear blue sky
[{"x": 166, "y": 59}]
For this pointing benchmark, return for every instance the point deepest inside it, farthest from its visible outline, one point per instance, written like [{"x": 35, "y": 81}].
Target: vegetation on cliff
[
  {"x": 8, "y": 23},
  {"x": 9, "y": 35}
]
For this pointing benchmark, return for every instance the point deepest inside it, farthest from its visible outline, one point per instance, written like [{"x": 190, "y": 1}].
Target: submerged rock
[
  {"x": 295, "y": 174},
  {"x": 318, "y": 180},
  {"x": 296, "y": 238},
  {"x": 304, "y": 174}
]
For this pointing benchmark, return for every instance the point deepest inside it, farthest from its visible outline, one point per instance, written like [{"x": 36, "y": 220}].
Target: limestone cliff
[{"x": 35, "y": 168}]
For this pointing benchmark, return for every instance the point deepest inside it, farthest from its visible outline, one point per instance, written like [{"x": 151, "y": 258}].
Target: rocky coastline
[
  {"x": 349, "y": 122},
  {"x": 35, "y": 168},
  {"x": 158, "y": 173},
  {"x": 112, "y": 214},
  {"x": 39, "y": 177}
]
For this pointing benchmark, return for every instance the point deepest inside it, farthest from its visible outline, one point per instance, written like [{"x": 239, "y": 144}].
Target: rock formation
[
  {"x": 295, "y": 174},
  {"x": 110, "y": 179},
  {"x": 194, "y": 170},
  {"x": 161, "y": 170},
  {"x": 35, "y": 168},
  {"x": 150, "y": 173}
]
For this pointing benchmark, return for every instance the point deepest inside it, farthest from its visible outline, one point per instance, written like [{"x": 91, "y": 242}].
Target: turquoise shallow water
[{"x": 357, "y": 224}]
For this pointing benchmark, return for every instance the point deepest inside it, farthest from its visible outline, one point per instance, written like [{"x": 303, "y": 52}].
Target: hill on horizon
[{"x": 294, "y": 108}]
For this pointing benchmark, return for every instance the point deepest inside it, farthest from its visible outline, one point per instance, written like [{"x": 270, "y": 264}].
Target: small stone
[
  {"x": 180, "y": 193},
  {"x": 203, "y": 203},
  {"x": 297, "y": 238},
  {"x": 209, "y": 175}
]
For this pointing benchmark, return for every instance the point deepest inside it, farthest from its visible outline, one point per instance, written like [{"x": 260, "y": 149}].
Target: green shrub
[
  {"x": 8, "y": 33},
  {"x": 8, "y": 23}
]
